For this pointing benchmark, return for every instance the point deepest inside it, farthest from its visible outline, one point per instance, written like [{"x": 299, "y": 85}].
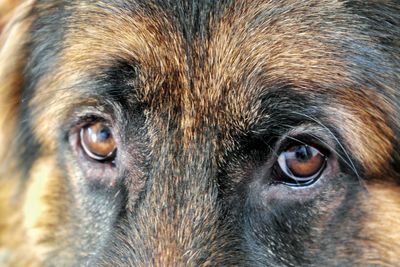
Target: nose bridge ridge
[{"x": 178, "y": 218}]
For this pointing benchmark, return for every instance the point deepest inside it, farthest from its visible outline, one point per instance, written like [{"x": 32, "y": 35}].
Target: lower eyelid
[{"x": 282, "y": 192}]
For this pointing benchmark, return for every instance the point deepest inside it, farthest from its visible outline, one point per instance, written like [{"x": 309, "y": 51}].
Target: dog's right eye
[
  {"x": 98, "y": 142},
  {"x": 300, "y": 165}
]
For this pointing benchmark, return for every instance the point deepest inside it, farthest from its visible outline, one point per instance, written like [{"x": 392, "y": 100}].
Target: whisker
[
  {"x": 331, "y": 148},
  {"x": 341, "y": 146}
]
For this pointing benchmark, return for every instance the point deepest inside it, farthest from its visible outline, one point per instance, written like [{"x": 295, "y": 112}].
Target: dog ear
[{"x": 13, "y": 54}]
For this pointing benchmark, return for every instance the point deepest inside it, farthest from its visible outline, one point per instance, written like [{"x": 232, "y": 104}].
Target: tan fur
[
  {"x": 366, "y": 128},
  {"x": 44, "y": 212},
  {"x": 285, "y": 50},
  {"x": 12, "y": 62},
  {"x": 6, "y": 11},
  {"x": 381, "y": 229}
]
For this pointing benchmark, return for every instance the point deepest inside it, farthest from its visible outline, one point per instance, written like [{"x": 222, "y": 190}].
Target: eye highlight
[
  {"x": 98, "y": 142},
  {"x": 300, "y": 165}
]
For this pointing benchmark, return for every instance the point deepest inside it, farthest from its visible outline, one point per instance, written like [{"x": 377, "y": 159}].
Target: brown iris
[
  {"x": 301, "y": 164},
  {"x": 98, "y": 141}
]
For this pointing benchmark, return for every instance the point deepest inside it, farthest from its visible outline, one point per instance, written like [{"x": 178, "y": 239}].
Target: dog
[{"x": 200, "y": 133}]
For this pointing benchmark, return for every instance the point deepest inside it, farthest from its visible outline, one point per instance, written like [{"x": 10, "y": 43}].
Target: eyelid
[
  {"x": 321, "y": 138},
  {"x": 304, "y": 139}
]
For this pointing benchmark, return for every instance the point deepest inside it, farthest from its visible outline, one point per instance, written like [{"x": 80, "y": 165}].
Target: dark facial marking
[{"x": 202, "y": 98}]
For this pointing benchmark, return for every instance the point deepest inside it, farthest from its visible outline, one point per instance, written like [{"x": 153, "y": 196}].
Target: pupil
[
  {"x": 104, "y": 134},
  {"x": 303, "y": 153}
]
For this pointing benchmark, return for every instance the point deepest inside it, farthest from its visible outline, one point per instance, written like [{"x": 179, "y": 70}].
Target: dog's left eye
[
  {"x": 98, "y": 142},
  {"x": 300, "y": 165}
]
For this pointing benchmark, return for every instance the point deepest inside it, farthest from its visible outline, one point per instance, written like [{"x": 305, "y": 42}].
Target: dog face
[{"x": 197, "y": 133}]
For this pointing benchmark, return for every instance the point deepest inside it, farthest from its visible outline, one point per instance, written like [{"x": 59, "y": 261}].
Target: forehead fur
[{"x": 215, "y": 68}]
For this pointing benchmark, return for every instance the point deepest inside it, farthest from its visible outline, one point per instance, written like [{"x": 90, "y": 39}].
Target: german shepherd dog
[{"x": 200, "y": 133}]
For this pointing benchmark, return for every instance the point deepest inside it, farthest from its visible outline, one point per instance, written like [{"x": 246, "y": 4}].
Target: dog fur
[{"x": 199, "y": 93}]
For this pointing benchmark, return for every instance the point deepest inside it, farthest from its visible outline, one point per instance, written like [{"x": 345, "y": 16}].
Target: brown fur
[
  {"x": 381, "y": 227},
  {"x": 238, "y": 64},
  {"x": 11, "y": 217}
]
